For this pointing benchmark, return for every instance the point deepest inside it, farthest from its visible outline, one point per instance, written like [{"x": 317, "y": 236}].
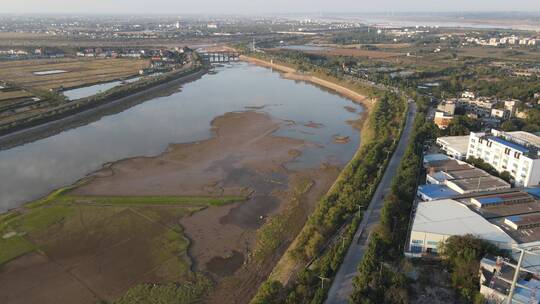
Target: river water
[
  {"x": 83, "y": 92},
  {"x": 30, "y": 171}
]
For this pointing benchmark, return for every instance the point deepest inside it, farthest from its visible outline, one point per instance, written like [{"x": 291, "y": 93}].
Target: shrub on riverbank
[
  {"x": 183, "y": 293},
  {"x": 379, "y": 279},
  {"x": 329, "y": 230}
]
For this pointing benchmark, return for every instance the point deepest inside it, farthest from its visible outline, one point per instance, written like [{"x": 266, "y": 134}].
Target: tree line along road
[{"x": 342, "y": 287}]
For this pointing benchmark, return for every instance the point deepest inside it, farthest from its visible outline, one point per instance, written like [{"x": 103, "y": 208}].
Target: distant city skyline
[{"x": 259, "y": 6}]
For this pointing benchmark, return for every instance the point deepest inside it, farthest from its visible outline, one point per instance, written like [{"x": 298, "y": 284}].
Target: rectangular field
[{"x": 37, "y": 74}]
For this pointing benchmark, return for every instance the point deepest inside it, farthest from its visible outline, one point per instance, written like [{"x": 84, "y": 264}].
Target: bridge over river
[{"x": 220, "y": 56}]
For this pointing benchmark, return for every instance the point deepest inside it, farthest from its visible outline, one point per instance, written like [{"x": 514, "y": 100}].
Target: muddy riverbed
[{"x": 253, "y": 134}]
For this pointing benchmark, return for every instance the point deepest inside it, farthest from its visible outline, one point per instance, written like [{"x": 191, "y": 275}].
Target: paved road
[{"x": 342, "y": 285}]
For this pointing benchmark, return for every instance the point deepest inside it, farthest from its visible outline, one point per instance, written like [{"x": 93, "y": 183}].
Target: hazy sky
[{"x": 258, "y": 6}]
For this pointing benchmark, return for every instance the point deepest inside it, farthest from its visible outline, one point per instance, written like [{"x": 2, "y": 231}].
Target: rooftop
[
  {"x": 435, "y": 191},
  {"x": 531, "y": 138},
  {"x": 449, "y": 217},
  {"x": 467, "y": 173},
  {"x": 447, "y": 165},
  {"x": 460, "y": 143},
  {"x": 477, "y": 184},
  {"x": 509, "y": 144},
  {"x": 534, "y": 191},
  {"x": 524, "y": 221},
  {"x": 428, "y": 158},
  {"x": 442, "y": 176},
  {"x": 522, "y": 235},
  {"x": 501, "y": 210}
]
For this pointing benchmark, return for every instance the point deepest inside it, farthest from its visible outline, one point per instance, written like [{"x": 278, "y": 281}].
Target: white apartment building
[
  {"x": 479, "y": 106},
  {"x": 514, "y": 152}
]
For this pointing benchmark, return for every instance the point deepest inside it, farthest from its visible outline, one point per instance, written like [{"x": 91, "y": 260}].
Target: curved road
[{"x": 342, "y": 288}]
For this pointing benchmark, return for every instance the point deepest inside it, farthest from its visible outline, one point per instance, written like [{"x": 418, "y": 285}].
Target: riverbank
[
  {"x": 362, "y": 124},
  {"x": 322, "y": 243},
  {"x": 272, "y": 148},
  {"x": 55, "y": 124},
  {"x": 293, "y": 74},
  {"x": 243, "y": 158}
]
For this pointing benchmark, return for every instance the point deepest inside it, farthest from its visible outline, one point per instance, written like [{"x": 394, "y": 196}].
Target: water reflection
[
  {"x": 30, "y": 171},
  {"x": 83, "y": 92}
]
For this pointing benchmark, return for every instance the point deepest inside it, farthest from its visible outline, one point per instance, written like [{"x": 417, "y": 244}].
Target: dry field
[
  {"x": 358, "y": 53},
  {"x": 79, "y": 72},
  {"x": 378, "y": 45},
  {"x": 500, "y": 53},
  {"x": 4, "y": 96},
  {"x": 83, "y": 253}
]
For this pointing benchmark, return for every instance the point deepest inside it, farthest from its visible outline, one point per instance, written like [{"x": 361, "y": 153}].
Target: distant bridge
[{"x": 220, "y": 56}]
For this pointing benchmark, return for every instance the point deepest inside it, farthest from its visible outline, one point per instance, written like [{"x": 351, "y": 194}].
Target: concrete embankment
[{"x": 66, "y": 121}]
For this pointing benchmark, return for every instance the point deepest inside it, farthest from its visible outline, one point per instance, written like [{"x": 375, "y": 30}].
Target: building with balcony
[{"x": 514, "y": 152}]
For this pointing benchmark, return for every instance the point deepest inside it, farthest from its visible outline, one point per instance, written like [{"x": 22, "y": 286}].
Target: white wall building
[
  {"x": 480, "y": 106},
  {"x": 514, "y": 152},
  {"x": 436, "y": 221},
  {"x": 454, "y": 146}
]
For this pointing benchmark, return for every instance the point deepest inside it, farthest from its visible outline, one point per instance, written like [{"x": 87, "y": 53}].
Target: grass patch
[
  {"x": 55, "y": 195},
  {"x": 188, "y": 292},
  {"x": 281, "y": 227},
  {"x": 38, "y": 220},
  {"x": 33, "y": 222},
  {"x": 14, "y": 247},
  {"x": 170, "y": 251},
  {"x": 152, "y": 200}
]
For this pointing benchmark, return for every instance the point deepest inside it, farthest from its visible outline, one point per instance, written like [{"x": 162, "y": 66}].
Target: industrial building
[
  {"x": 435, "y": 221},
  {"x": 448, "y": 177},
  {"x": 507, "y": 218},
  {"x": 454, "y": 146}
]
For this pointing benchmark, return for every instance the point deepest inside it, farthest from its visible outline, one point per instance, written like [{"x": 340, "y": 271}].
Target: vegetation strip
[
  {"x": 108, "y": 96},
  {"x": 337, "y": 211},
  {"x": 40, "y": 214},
  {"x": 379, "y": 279}
]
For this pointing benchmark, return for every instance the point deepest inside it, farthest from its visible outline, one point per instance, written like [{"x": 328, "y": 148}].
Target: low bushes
[
  {"x": 183, "y": 293},
  {"x": 329, "y": 230},
  {"x": 378, "y": 280},
  {"x": 462, "y": 256}
]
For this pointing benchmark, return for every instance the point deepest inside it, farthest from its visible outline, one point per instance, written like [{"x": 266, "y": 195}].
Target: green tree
[{"x": 268, "y": 293}]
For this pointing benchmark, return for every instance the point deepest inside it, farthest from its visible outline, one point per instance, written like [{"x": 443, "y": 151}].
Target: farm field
[
  {"x": 94, "y": 248},
  {"x": 358, "y": 53},
  {"x": 500, "y": 54},
  {"x": 78, "y": 72}
]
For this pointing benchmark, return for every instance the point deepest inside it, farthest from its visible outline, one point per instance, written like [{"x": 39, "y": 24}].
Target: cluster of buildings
[
  {"x": 459, "y": 199},
  {"x": 492, "y": 110},
  {"x": 162, "y": 54},
  {"x": 17, "y": 54},
  {"x": 501, "y": 41},
  {"x": 497, "y": 274}
]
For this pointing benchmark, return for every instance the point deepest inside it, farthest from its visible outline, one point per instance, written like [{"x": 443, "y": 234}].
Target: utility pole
[
  {"x": 322, "y": 281},
  {"x": 516, "y": 276}
]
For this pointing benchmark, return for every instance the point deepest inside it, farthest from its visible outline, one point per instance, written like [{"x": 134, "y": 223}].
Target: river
[{"x": 30, "y": 171}]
